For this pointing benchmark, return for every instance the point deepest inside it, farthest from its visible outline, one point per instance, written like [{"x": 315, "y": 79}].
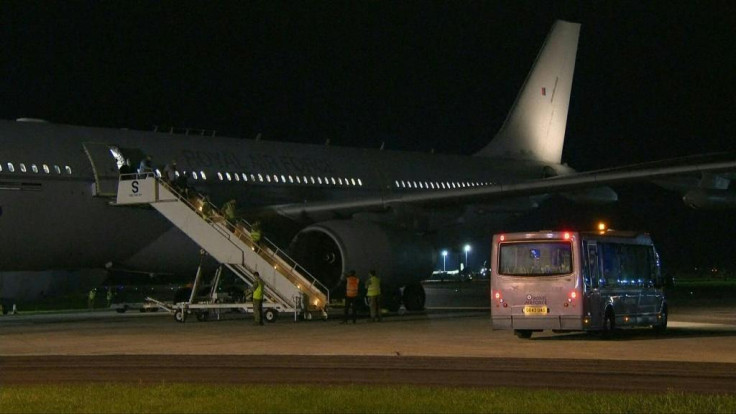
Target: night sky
[{"x": 653, "y": 80}]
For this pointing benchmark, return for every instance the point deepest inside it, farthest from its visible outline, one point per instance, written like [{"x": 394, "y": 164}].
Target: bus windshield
[{"x": 535, "y": 258}]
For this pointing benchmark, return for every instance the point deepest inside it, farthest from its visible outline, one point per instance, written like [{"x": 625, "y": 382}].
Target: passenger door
[
  {"x": 593, "y": 300},
  {"x": 104, "y": 168},
  {"x": 650, "y": 301}
]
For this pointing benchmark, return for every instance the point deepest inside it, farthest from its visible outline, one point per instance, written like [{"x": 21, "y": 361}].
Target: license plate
[{"x": 535, "y": 310}]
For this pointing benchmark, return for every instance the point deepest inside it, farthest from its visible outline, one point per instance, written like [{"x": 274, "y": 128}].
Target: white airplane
[{"x": 335, "y": 208}]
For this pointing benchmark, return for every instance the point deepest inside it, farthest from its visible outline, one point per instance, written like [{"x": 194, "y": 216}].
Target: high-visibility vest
[
  {"x": 258, "y": 290},
  {"x": 352, "y": 287},
  {"x": 374, "y": 286}
]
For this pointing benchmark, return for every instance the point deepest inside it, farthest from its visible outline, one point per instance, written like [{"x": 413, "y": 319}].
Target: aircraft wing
[{"x": 560, "y": 184}]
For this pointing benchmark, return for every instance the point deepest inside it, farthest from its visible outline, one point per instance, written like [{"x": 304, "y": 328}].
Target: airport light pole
[
  {"x": 444, "y": 260},
  {"x": 467, "y": 249}
]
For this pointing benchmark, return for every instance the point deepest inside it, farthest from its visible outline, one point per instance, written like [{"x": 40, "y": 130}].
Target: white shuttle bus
[{"x": 575, "y": 281}]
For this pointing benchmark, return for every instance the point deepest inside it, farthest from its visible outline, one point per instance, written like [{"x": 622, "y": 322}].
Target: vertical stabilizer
[{"x": 535, "y": 127}]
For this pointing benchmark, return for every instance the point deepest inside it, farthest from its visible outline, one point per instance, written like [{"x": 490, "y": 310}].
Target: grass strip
[{"x": 196, "y": 398}]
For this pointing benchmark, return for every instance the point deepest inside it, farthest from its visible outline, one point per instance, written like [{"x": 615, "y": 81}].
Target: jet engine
[
  {"x": 710, "y": 199},
  {"x": 401, "y": 259}
]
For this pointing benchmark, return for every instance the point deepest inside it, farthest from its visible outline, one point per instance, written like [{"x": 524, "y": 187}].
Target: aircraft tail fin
[{"x": 535, "y": 127}]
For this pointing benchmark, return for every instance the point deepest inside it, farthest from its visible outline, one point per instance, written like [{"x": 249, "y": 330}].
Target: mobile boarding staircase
[{"x": 288, "y": 287}]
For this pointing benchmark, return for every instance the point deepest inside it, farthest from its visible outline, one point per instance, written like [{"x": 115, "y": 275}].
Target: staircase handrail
[{"x": 276, "y": 251}]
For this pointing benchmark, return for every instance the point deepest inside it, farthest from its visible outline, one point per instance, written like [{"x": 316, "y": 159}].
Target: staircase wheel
[
  {"x": 270, "y": 315},
  {"x": 180, "y": 316}
]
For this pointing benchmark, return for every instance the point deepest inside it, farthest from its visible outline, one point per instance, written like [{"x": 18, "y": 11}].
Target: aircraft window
[
  {"x": 1, "y": 168},
  {"x": 275, "y": 178},
  {"x": 431, "y": 185},
  {"x": 22, "y": 167},
  {"x": 158, "y": 173},
  {"x": 352, "y": 180},
  {"x": 252, "y": 177},
  {"x": 56, "y": 168},
  {"x": 260, "y": 178},
  {"x": 298, "y": 180},
  {"x": 236, "y": 176},
  {"x": 311, "y": 179},
  {"x": 229, "y": 178},
  {"x": 426, "y": 185},
  {"x": 194, "y": 175},
  {"x": 245, "y": 177},
  {"x": 319, "y": 180},
  {"x": 421, "y": 184},
  {"x": 202, "y": 174},
  {"x": 10, "y": 167},
  {"x": 333, "y": 180},
  {"x": 396, "y": 183},
  {"x": 327, "y": 181},
  {"x": 34, "y": 168},
  {"x": 283, "y": 178},
  {"x": 68, "y": 169},
  {"x": 360, "y": 183},
  {"x": 219, "y": 175},
  {"x": 443, "y": 185},
  {"x": 268, "y": 178},
  {"x": 339, "y": 180}
]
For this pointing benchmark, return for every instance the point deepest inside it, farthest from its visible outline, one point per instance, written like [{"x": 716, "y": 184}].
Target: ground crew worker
[
  {"x": 109, "y": 297},
  {"x": 228, "y": 211},
  {"x": 373, "y": 287},
  {"x": 351, "y": 295},
  {"x": 91, "y": 299},
  {"x": 258, "y": 299}
]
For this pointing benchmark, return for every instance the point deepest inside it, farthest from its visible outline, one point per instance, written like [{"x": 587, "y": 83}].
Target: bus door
[
  {"x": 650, "y": 301},
  {"x": 593, "y": 301}
]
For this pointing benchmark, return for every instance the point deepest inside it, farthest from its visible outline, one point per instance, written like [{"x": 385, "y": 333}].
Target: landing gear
[
  {"x": 391, "y": 300},
  {"x": 414, "y": 297}
]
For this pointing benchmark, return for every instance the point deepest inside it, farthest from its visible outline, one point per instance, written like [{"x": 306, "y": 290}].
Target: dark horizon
[{"x": 652, "y": 81}]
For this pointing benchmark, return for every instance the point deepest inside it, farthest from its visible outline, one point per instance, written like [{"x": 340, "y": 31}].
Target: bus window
[
  {"x": 627, "y": 265},
  {"x": 535, "y": 259}
]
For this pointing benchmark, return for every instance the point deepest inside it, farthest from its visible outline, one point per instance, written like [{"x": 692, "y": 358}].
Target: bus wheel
[
  {"x": 662, "y": 322},
  {"x": 523, "y": 333},
  {"x": 609, "y": 323}
]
